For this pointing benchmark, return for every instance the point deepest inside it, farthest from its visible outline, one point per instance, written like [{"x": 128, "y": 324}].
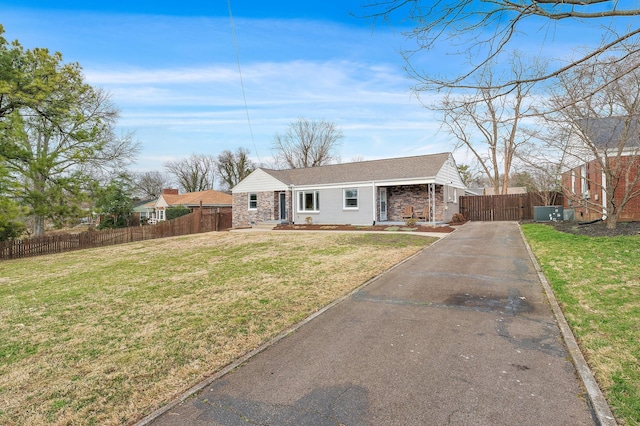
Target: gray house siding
[
  {"x": 451, "y": 205},
  {"x": 332, "y": 207}
]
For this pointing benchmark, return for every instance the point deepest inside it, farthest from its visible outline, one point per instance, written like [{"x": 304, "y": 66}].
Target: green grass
[
  {"x": 105, "y": 336},
  {"x": 597, "y": 283}
]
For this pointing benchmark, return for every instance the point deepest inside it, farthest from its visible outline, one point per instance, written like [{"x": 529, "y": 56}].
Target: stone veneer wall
[
  {"x": 239, "y": 211},
  {"x": 398, "y": 197},
  {"x": 243, "y": 217},
  {"x": 288, "y": 202},
  {"x": 275, "y": 214},
  {"x": 268, "y": 208}
]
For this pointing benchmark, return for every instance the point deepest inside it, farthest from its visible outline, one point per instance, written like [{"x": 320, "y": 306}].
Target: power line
[{"x": 244, "y": 96}]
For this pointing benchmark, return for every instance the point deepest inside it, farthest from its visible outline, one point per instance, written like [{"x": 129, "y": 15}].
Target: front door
[
  {"x": 383, "y": 204},
  {"x": 283, "y": 206}
]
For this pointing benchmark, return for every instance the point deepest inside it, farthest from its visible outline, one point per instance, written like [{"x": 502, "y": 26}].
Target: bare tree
[
  {"x": 194, "y": 173},
  {"x": 233, "y": 167},
  {"x": 150, "y": 184},
  {"x": 481, "y": 32},
  {"x": 307, "y": 144},
  {"x": 594, "y": 119},
  {"x": 488, "y": 124}
]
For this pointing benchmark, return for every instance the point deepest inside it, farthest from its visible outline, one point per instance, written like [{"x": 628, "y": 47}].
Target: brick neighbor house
[
  {"x": 617, "y": 143},
  {"x": 209, "y": 199},
  {"x": 359, "y": 193}
]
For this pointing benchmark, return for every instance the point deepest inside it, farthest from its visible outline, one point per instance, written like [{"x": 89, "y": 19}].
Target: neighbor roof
[
  {"x": 208, "y": 198},
  {"x": 422, "y": 166},
  {"x": 611, "y": 132}
]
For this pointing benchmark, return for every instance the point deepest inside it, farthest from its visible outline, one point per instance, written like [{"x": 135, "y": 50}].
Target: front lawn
[
  {"x": 105, "y": 336},
  {"x": 597, "y": 283}
]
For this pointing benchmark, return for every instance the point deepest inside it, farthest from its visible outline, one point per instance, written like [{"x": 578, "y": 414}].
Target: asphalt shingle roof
[
  {"x": 611, "y": 132},
  {"x": 423, "y": 166},
  {"x": 208, "y": 198}
]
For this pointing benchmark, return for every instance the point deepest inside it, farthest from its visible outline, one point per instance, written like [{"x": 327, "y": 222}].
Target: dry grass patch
[{"x": 105, "y": 336}]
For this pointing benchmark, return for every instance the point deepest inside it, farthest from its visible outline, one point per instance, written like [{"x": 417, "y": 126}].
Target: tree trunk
[
  {"x": 613, "y": 211},
  {"x": 38, "y": 226}
]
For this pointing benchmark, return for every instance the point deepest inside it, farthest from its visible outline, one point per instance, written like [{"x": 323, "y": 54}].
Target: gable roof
[
  {"x": 423, "y": 166},
  {"x": 208, "y": 198},
  {"x": 608, "y": 133},
  {"x": 144, "y": 205}
]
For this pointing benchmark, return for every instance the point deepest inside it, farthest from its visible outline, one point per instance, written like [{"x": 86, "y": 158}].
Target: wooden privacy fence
[
  {"x": 506, "y": 207},
  {"x": 201, "y": 220}
]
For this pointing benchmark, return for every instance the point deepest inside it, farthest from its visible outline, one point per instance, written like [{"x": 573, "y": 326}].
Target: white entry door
[{"x": 383, "y": 204}]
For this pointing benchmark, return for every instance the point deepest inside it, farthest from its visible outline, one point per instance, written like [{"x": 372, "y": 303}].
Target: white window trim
[
  {"x": 344, "y": 199},
  {"x": 249, "y": 201},
  {"x": 300, "y": 201}
]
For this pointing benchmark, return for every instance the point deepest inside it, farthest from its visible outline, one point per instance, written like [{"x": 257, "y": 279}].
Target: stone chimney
[{"x": 169, "y": 191}]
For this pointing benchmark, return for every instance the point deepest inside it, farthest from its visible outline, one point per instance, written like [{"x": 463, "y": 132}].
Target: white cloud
[
  {"x": 137, "y": 76},
  {"x": 177, "y": 83}
]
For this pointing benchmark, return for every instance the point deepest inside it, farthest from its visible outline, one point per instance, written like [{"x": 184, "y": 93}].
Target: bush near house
[{"x": 177, "y": 211}]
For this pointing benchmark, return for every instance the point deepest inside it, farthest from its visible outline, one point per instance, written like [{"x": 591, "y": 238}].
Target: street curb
[
  {"x": 145, "y": 421},
  {"x": 598, "y": 404}
]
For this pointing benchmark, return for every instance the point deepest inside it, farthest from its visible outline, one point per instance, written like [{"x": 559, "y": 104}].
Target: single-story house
[
  {"x": 617, "y": 143},
  {"x": 144, "y": 208},
  {"x": 424, "y": 187},
  {"x": 209, "y": 199}
]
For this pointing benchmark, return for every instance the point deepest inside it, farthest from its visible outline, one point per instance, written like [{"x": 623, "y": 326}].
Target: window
[
  {"x": 350, "y": 198},
  {"x": 160, "y": 214},
  {"x": 253, "y": 201},
  {"x": 309, "y": 201}
]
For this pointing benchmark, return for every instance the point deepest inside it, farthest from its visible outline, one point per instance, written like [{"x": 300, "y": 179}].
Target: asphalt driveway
[{"x": 461, "y": 334}]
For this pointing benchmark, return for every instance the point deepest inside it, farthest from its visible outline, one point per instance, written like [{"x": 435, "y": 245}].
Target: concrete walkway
[{"x": 461, "y": 334}]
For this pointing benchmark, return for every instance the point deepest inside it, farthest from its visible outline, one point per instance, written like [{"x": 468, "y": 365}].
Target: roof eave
[{"x": 385, "y": 182}]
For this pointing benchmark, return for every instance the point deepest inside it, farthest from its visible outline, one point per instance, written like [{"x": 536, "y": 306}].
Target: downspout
[
  {"x": 604, "y": 196},
  {"x": 293, "y": 201},
  {"x": 445, "y": 201},
  {"x": 432, "y": 199},
  {"x": 375, "y": 202}
]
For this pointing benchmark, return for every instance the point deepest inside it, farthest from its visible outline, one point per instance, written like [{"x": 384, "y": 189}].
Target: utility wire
[{"x": 244, "y": 96}]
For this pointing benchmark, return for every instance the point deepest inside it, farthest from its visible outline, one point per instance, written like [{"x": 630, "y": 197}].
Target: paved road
[{"x": 461, "y": 334}]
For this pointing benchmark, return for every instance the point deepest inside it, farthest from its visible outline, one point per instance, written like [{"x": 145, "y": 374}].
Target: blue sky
[{"x": 172, "y": 71}]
